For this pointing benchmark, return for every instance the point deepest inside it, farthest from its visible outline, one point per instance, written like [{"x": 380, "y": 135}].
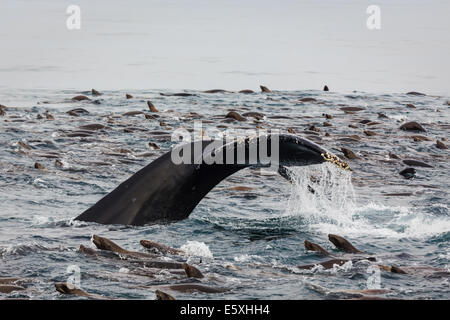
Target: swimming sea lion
[
  {"x": 315, "y": 247},
  {"x": 132, "y": 113},
  {"x": 8, "y": 288},
  {"x": 106, "y": 244},
  {"x": 68, "y": 288},
  {"x": 441, "y": 145},
  {"x": 216, "y": 91},
  {"x": 408, "y": 173},
  {"x": 236, "y": 116},
  {"x": 412, "y": 126},
  {"x": 326, "y": 264},
  {"x": 265, "y": 89},
  {"x": 95, "y": 92},
  {"x": 416, "y": 163},
  {"x": 151, "y": 107},
  {"x": 80, "y": 98},
  {"x": 349, "y": 154},
  {"x": 160, "y": 247},
  {"x": 180, "y": 94},
  {"x": 342, "y": 244},
  {"x": 77, "y": 112},
  {"x": 192, "y": 272},
  {"x": 414, "y": 93},
  {"x": 194, "y": 287},
  {"x": 163, "y": 296},
  {"x": 326, "y": 88}
]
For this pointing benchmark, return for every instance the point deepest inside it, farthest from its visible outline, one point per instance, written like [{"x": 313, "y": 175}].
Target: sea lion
[
  {"x": 2, "y": 110},
  {"x": 108, "y": 245},
  {"x": 349, "y": 154},
  {"x": 370, "y": 133},
  {"x": 408, "y": 173},
  {"x": 351, "y": 109},
  {"x": 93, "y": 126},
  {"x": 415, "y": 93},
  {"x": 326, "y": 264},
  {"x": 441, "y": 145},
  {"x": 68, "y": 288},
  {"x": 256, "y": 115},
  {"x": 194, "y": 287},
  {"x": 216, "y": 91},
  {"x": 39, "y": 166},
  {"x": 315, "y": 247},
  {"x": 165, "y": 192},
  {"x": 308, "y": 99},
  {"x": 80, "y": 98},
  {"x": 151, "y": 107},
  {"x": 10, "y": 280},
  {"x": 342, "y": 244},
  {"x": 180, "y": 94},
  {"x": 416, "y": 163},
  {"x": 247, "y": 91},
  {"x": 412, "y": 126},
  {"x": 265, "y": 89},
  {"x": 192, "y": 272},
  {"x": 236, "y": 116},
  {"x": 95, "y": 92},
  {"x": 77, "y": 112},
  {"x": 128, "y": 96},
  {"x": 8, "y": 288},
  {"x": 132, "y": 113},
  {"x": 325, "y": 88},
  {"x": 160, "y": 247},
  {"x": 392, "y": 269},
  {"x": 163, "y": 296},
  {"x": 153, "y": 146}
]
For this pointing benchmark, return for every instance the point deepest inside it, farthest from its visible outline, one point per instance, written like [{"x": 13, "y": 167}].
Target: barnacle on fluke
[{"x": 335, "y": 160}]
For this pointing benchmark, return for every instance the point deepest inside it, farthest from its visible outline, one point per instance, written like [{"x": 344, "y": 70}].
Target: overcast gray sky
[{"x": 226, "y": 44}]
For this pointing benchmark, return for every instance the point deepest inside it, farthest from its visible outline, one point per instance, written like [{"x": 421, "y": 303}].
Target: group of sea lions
[
  {"x": 148, "y": 264},
  {"x": 151, "y": 260},
  {"x": 145, "y": 264}
]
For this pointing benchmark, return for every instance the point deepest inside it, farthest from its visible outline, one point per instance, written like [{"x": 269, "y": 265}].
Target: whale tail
[{"x": 165, "y": 191}]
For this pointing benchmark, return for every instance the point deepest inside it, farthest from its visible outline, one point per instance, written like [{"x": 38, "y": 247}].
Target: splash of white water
[
  {"x": 321, "y": 193},
  {"x": 197, "y": 249},
  {"x": 323, "y": 196}
]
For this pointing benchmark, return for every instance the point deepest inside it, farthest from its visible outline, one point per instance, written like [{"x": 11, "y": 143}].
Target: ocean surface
[
  {"x": 233, "y": 44},
  {"x": 248, "y": 241}
]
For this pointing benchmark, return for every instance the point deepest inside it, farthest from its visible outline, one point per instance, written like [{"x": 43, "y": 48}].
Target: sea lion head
[
  {"x": 86, "y": 250},
  {"x": 105, "y": 244},
  {"x": 192, "y": 272},
  {"x": 65, "y": 288},
  {"x": 163, "y": 296},
  {"x": 342, "y": 244}
]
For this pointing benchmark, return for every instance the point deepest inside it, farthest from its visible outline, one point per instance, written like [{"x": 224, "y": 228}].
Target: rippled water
[{"x": 261, "y": 230}]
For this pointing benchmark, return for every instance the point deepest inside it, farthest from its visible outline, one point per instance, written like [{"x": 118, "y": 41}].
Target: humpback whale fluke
[{"x": 165, "y": 192}]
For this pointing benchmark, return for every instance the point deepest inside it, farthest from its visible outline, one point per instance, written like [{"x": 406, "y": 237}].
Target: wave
[{"x": 323, "y": 196}]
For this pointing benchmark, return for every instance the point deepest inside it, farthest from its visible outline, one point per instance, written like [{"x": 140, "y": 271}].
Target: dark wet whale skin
[{"x": 165, "y": 192}]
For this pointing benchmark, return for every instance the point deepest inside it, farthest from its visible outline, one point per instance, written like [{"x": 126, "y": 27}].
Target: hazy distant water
[{"x": 287, "y": 45}]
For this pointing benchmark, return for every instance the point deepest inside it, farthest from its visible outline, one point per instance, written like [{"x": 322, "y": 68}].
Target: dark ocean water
[{"x": 260, "y": 231}]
